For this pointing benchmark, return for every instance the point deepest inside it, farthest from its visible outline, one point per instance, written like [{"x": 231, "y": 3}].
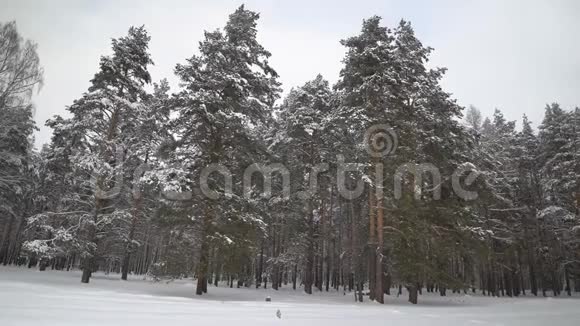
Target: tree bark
[
  {"x": 294, "y": 276},
  {"x": 567, "y": 278},
  {"x": 87, "y": 266},
  {"x": 89, "y": 261},
  {"x": 202, "y": 267},
  {"x": 412, "y": 289},
  {"x": 372, "y": 244},
  {"x": 260, "y": 266},
  {"x": 129, "y": 248},
  {"x": 308, "y": 273},
  {"x": 379, "y": 291},
  {"x": 322, "y": 239},
  {"x": 15, "y": 247},
  {"x": 6, "y": 240},
  {"x": 376, "y": 221}
]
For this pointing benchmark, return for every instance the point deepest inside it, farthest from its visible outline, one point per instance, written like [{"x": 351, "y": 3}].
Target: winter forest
[{"x": 374, "y": 187}]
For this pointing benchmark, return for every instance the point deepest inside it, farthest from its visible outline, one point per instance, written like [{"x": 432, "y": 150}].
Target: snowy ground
[{"x": 30, "y": 297}]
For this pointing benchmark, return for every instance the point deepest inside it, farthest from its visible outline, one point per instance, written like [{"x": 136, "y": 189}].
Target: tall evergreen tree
[
  {"x": 20, "y": 76},
  {"x": 228, "y": 92},
  {"x": 97, "y": 136}
]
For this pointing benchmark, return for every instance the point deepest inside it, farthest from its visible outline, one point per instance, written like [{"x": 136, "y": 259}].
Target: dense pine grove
[{"x": 117, "y": 188}]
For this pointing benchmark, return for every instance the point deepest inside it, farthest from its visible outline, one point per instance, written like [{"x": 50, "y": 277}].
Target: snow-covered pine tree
[
  {"x": 385, "y": 81},
  {"x": 473, "y": 118},
  {"x": 558, "y": 161},
  {"x": 20, "y": 76},
  {"x": 427, "y": 224},
  {"x": 502, "y": 218},
  {"x": 96, "y": 140},
  {"x": 528, "y": 197},
  {"x": 147, "y": 129},
  {"x": 301, "y": 141},
  {"x": 228, "y": 92},
  {"x": 365, "y": 88}
]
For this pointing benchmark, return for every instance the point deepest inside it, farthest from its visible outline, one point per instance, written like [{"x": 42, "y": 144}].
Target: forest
[{"x": 377, "y": 183}]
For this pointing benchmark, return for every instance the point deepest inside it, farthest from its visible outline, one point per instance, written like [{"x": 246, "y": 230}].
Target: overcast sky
[{"x": 512, "y": 55}]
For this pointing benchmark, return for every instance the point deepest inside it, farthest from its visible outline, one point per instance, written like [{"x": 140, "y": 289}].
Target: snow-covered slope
[{"x": 29, "y": 297}]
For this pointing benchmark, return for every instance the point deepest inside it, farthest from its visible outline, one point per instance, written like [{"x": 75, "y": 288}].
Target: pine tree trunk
[
  {"x": 379, "y": 291},
  {"x": 217, "y": 271},
  {"x": 280, "y": 277},
  {"x": 372, "y": 245},
  {"x": 89, "y": 261},
  {"x": 533, "y": 280},
  {"x": 265, "y": 282},
  {"x": 327, "y": 277},
  {"x": 387, "y": 284},
  {"x": 200, "y": 281},
  {"x": 322, "y": 244},
  {"x": 129, "y": 248},
  {"x": 507, "y": 282},
  {"x": 260, "y": 265},
  {"x": 202, "y": 267},
  {"x": 15, "y": 247},
  {"x": 4, "y": 244},
  {"x": 275, "y": 276},
  {"x": 127, "y": 256},
  {"x": 308, "y": 273},
  {"x": 567, "y": 278},
  {"x": 85, "y": 278},
  {"x": 359, "y": 292},
  {"x": 329, "y": 258},
  {"x": 412, "y": 289},
  {"x": 316, "y": 265},
  {"x": 42, "y": 264},
  {"x": 125, "y": 266},
  {"x": 353, "y": 237},
  {"x": 294, "y": 276}
]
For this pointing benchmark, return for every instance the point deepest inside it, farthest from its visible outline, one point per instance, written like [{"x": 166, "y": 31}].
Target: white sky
[{"x": 513, "y": 55}]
